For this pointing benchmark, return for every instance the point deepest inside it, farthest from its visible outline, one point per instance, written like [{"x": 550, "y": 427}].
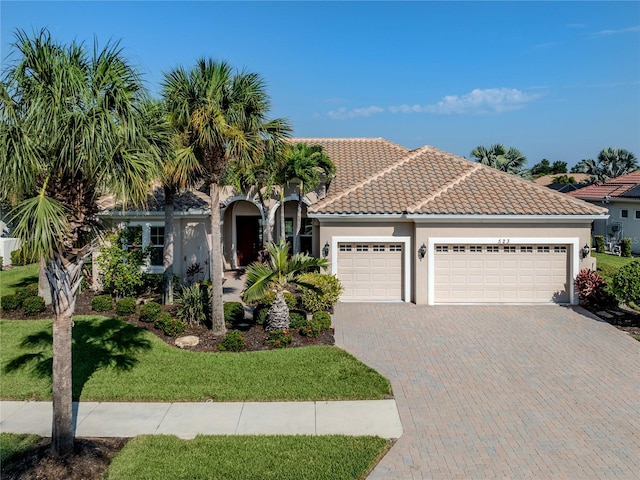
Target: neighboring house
[
  {"x": 621, "y": 196},
  {"x": 409, "y": 225},
  {"x": 547, "y": 181}
]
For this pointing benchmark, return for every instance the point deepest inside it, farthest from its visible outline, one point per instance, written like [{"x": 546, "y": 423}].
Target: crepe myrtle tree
[
  {"x": 220, "y": 116},
  {"x": 74, "y": 125}
]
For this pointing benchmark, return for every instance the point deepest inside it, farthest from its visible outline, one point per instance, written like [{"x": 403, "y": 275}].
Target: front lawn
[
  {"x": 116, "y": 361},
  {"x": 606, "y": 260},
  {"x": 17, "y": 277},
  {"x": 12, "y": 444}
]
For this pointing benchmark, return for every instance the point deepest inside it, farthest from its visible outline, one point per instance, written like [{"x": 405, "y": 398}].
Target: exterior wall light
[
  {"x": 325, "y": 250},
  {"x": 585, "y": 251},
  {"x": 422, "y": 251}
]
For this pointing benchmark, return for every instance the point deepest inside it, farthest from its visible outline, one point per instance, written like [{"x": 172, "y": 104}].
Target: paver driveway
[{"x": 502, "y": 392}]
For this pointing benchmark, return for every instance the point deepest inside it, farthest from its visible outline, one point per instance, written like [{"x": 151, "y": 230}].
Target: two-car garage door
[{"x": 501, "y": 273}]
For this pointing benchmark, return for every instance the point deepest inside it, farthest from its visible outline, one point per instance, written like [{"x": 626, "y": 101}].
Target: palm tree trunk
[
  {"x": 283, "y": 234},
  {"x": 278, "y": 316},
  {"x": 64, "y": 277},
  {"x": 44, "y": 290},
  {"x": 267, "y": 227},
  {"x": 167, "y": 253},
  {"x": 296, "y": 237},
  {"x": 217, "y": 313}
]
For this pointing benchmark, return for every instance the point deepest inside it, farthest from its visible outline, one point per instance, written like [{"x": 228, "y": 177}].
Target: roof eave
[{"x": 489, "y": 218}]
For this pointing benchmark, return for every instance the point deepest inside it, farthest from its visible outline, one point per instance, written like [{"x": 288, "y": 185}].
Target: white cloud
[
  {"x": 635, "y": 28},
  {"x": 343, "y": 113},
  {"x": 478, "y": 101}
]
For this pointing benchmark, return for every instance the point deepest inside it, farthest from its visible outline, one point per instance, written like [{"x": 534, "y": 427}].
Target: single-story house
[
  {"x": 621, "y": 196},
  {"x": 396, "y": 224}
]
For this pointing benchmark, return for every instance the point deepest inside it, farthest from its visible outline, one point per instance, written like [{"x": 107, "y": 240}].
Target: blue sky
[{"x": 557, "y": 80}]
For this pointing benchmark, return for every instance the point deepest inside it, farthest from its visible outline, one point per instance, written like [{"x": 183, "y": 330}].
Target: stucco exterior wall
[{"x": 630, "y": 224}]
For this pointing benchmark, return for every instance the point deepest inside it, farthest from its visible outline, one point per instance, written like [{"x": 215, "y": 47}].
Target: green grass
[
  {"x": 14, "y": 443},
  {"x": 115, "y": 361},
  {"x": 611, "y": 261},
  {"x": 17, "y": 277},
  {"x": 247, "y": 458}
]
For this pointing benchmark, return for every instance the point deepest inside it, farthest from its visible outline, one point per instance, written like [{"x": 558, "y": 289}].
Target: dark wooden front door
[{"x": 248, "y": 239}]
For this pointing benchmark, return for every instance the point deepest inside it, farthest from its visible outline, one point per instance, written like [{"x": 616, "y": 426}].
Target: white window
[
  {"x": 156, "y": 245},
  {"x": 543, "y": 250},
  {"x": 624, "y": 213},
  {"x": 459, "y": 248},
  {"x": 509, "y": 249},
  {"x": 560, "y": 249},
  {"x": 395, "y": 248},
  {"x": 475, "y": 248},
  {"x": 345, "y": 247},
  {"x": 493, "y": 249},
  {"x": 378, "y": 248},
  {"x": 362, "y": 248},
  {"x": 526, "y": 249},
  {"x": 442, "y": 248},
  {"x": 149, "y": 236}
]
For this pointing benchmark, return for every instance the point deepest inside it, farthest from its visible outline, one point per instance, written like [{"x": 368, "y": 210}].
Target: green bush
[
  {"x": 120, "y": 266},
  {"x": 626, "y": 283},
  {"x": 233, "y": 312},
  {"x": 625, "y": 247},
  {"x": 323, "y": 318},
  {"x": 173, "y": 327},
  {"x": 311, "y": 329},
  {"x": 193, "y": 304},
  {"x": 279, "y": 338},
  {"x": 19, "y": 257},
  {"x": 162, "y": 319},
  {"x": 10, "y": 303},
  {"x": 150, "y": 311},
  {"x": 260, "y": 314},
  {"x": 289, "y": 298},
  {"x": 126, "y": 306},
  {"x": 598, "y": 243},
  {"x": 1, "y": 262},
  {"x": 326, "y": 295},
  {"x": 102, "y": 303},
  {"x": 233, "y": 341},
  {"x": 23, "y": 293},
  {"x": 297, "y": 319},
  {"x": 33, "y": 306}
]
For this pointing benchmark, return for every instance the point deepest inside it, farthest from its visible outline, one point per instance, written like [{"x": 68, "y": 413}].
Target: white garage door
[
  {"x": 370, "y": 271},
  {"x": 501, "y": 273}
]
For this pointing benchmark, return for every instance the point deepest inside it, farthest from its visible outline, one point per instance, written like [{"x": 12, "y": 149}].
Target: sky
[{"x": 556, "y": 80}]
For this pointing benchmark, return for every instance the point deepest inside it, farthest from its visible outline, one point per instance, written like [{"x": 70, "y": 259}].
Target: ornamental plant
[
  {"x": 591, "y": 288},
  {"x": 193, "y": 304},
  {"x": 33, "y": 306},
  {"x": 120, "y": 261},
  {"x": 10, "y": 303},
  {"x": 279, "y": 338},
  {"x": 150, "y": 311},
  {"x": 324, "y": 296},
  {"x": 102, "y": 303},
  {"x": 626, "y": 283},
  {"x": 126, "y": 306},
  {"x": 625, "y": 247},
  {"x": 233, "y": 341},
  {"x": 599, "y": 243}
]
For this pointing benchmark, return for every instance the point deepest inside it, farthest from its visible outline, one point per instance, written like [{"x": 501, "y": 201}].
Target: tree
[
  {"x": 558, "y": 167},
  {"x": 277, "y": 274},
  {"x": 220, "y": 117},
  {"x": 306, "y": 164},
  {"x": 611, "y": 163},
  {"x": 71, "y": 131},
  {"x": 564, "y": 178},
  {"x": 497, "y": 156}
]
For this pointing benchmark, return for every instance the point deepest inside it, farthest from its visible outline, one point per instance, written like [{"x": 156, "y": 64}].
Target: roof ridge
[
  {"x": 409, "y": 156},
  {"x": 439, "y": 192}
]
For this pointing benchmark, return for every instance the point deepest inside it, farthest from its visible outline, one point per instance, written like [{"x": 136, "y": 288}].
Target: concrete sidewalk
[{"x": 186, "y": 420}]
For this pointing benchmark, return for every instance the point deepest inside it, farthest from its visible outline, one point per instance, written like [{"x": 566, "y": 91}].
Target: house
[
  {"x": 396, "y": 224},
  {"x": 621, "y": 196}
]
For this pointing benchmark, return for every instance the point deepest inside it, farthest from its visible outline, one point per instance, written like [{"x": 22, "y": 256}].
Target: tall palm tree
[
  {"x": 307, "y": 164},
  {"x": 220, "y": 116},
  {"x": 276, "y": 275},
  {"x": 510, "y": 160},
  {"x": 71, "y": 130},
  {"x": 611, "y": 163}
]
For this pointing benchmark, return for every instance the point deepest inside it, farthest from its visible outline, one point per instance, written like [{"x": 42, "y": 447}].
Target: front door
[{"x": 248, "y": 240}]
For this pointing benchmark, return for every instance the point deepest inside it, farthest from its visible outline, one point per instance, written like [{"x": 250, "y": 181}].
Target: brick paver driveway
[{"x": 502, "y": 392}]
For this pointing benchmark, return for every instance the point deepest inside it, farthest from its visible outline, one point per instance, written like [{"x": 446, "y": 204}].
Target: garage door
[
  {"x": 501, "y": 273},
  {"x": 370, "y": 271}
]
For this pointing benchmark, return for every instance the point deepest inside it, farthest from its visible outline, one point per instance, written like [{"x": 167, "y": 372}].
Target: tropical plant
[
  {"x": 120, "y": 261},
  {"x": 71, "y": 130},
  {"x": 510, "y": 160},
  {"x": 326, "y": 293},
  {"x": 626, "y": 283},
  {"x": 545, "y": 168},
  {"x": 279, "y": 273},
  {"x": 611, "y": 163},
  {"x": 220, "y": 117},
  {"x": 308, "y": 165},
  {"x": 193, "y": 303}
]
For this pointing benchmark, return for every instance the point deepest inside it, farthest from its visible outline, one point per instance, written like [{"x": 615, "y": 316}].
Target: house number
[{"x": 503, "y": 240}]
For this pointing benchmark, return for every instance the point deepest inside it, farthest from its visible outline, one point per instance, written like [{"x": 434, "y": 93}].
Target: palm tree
[
  {"x": 71, "y": 131},
  {"x": 276, "y": 275},
  {"x": 220, "y": 117},
  {"x": 510, "y": 160},
  {"x": 307, "y": 164},
  {"x": 611, "y": 163}
]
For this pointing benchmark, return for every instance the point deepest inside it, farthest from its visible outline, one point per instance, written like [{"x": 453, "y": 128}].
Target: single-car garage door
[
  {"x": 370, "y": 271},
  {"x": 501, "y": 273}
]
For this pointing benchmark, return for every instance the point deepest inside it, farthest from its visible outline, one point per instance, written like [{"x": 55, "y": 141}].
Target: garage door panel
[{"x": 512, "y": 274}]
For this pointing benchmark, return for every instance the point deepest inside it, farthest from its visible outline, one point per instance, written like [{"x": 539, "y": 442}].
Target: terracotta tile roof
[
  {"x": 430, "y": 181},
  {"x": 616, "y": 187}
]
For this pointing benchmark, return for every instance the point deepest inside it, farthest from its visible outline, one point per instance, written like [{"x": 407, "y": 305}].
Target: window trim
[{"x": 146, "y": 242}]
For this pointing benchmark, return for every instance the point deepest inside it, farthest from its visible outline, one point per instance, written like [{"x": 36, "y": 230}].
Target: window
[
  {"x": 395, "y": 248},
  {"x": 459, "y": 248},
  {"x": 624, "y": 213},
  {"x": 475, "y": 249},
  {"x": 442, "y": 248},
  {"x": 345, "y": 247},
  {"x": 526, "y": 249},
  {"x": 156, "y": 245},
  {"x": 637, "y": 214},
  {"x": 306, "y": 226},
  {"x": 378, "y": 248},
  {"x": 493, "y": 249},
  {"x": 543, "y": 250},
  {"x": 560, "y": 249},
  {"x": 509, "y": 249},
  {"x": 362, "y": 248}
]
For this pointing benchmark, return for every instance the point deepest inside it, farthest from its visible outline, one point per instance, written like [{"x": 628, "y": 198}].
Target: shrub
[
  {"x": 598, "y": 243},
  {"x": 233, "y": 312},
  {"x": 193, "y": 304},
  {"x": 23, "y": 293},
  {"x": 279, "y": 338},
  {"x": 120, "y": 262},
  {"x": 19, "y": 257},
  {"x": 173, "y": 327},
  {"x": 297, "y": 319},
  {"x": 590, "y": 288},
  {"x": 233, "y": 341},
  {"x": 102, "y": 303},
  {"x": 324, "y": 319},
  {"x": 150, "y": 311},
  {"x": 270, "y": 297},
  {"x": 260, "y": 314},
  {"x": 126, "y": 306},
  {"x": 32, "y": 288},
  {"x": 625, "y": 247},
  {"x": 1, "y": 262},
  {"x": 311, "y": 329},
  {"x": 626, "y": 283},
  {"x": 327, "y": 294},
  {"x": 10, "y": 303},
  {"x": 33, "y": 306}
]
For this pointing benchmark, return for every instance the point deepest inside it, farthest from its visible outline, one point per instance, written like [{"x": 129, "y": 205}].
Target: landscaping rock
[{"x": 188, "y": 341}]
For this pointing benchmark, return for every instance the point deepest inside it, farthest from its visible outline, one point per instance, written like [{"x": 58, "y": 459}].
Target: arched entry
[{"x": 242, "y": 233}]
